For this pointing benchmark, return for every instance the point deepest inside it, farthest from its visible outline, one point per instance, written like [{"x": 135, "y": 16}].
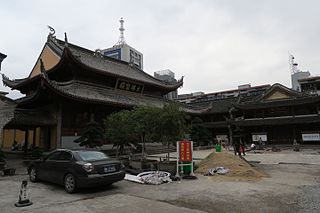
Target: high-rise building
[
  {"x": 296, "y": 74},
  {"x": 310, "y": 85},
  {"x": 122, "y": 51}
]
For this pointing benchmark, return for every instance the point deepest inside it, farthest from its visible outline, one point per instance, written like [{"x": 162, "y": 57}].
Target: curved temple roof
[{"x": 97, "y": 62}]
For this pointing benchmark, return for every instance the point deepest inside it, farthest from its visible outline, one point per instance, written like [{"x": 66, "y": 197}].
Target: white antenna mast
[
  {"x": 293, "y": 65},
  {"x": 121, "y": 38}
]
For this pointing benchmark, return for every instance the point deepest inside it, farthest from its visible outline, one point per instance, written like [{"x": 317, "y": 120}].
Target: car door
[
  {"x": 62, "y": 165},
  {"x": 49, "y": 165}
]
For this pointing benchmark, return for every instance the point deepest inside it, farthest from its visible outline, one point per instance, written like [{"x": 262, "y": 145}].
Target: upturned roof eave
[
  {"x": 160, "y": 85},
  {"x": 60, "y": 48}
]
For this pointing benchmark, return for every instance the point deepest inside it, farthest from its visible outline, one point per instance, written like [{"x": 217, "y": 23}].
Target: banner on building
[
  {"x": 222, "y": 137},
  {"x": 311, "y": 137}
]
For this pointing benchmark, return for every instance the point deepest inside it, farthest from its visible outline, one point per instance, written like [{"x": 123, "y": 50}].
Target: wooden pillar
[
  {"x": 2, "y": 137},
  {"x": 293, "y": 111},
  {"x": 34, "y": 137},
  {"x": 59, "y": 125},
  {"x": 294, "y": 135},
  {"x": 26, "y": 142}
]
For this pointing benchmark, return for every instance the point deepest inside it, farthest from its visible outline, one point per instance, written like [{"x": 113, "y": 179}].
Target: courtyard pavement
[
  {"x": 304, "y": 156},
  {"x": 298, "y": 193}
]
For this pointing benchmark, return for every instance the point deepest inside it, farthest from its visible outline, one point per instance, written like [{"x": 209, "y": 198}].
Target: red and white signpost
[{"x": 184, "y": 155}]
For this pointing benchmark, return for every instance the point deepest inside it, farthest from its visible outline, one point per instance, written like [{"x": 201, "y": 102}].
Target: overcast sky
[{"x": 216, "y": 45}]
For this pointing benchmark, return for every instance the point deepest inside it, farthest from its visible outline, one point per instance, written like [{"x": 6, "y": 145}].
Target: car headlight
[{"x": 88, "y": 167}]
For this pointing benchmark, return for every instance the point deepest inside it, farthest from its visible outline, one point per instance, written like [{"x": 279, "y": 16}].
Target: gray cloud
[{"x": 216, "y": 45}]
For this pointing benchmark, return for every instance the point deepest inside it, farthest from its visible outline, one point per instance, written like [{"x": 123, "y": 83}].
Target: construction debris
[
  {"x": 218, "y": 170},
  {"x": 150, "y": 177}
]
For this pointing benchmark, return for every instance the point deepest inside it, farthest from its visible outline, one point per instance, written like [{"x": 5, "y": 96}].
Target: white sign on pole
[
  {"x": 257, "y": 137},
  {"x": 311, "y": 137}
]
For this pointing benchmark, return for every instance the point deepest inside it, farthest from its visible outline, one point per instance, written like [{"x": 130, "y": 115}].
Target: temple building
[
  {"x": 68, "y": 86},
  {"x": 275, "y": 114}
]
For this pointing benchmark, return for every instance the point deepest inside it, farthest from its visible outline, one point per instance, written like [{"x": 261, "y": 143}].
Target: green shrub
[{"x": 2, "y": 156}]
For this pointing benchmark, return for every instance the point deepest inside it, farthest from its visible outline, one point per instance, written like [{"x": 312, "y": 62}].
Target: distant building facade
[
  {"x": 244, "y": 89},
  {"x": 167, "y": 76},
  {"x": 310, "y": 85},
  {"x": 125, "y": 53}
]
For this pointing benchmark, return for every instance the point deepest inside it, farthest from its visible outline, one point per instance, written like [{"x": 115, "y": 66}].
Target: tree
[
  {"x": 120, "y": 129},
  {"x": 146, "y": 124},
  {"x": 146, "y": 120},
  {"x": 172, "y": 125},
  {"x": 92, "y": 136},
  {"x": 199, "y": 133}
]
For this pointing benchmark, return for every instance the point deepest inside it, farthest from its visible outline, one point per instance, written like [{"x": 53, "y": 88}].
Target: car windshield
[{"x": 92, "y": 156}]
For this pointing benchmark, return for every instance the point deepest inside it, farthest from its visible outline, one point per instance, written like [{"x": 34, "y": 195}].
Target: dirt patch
[{"x": 240, "y": 170}]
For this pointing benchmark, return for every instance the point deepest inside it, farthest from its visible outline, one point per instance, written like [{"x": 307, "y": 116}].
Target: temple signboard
[{"x": 128, "y": 86}]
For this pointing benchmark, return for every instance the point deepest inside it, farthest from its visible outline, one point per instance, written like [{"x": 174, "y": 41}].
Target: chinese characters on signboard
[
  {"x": 185, "y": 151},
  {"x": 127, "y": 86}
]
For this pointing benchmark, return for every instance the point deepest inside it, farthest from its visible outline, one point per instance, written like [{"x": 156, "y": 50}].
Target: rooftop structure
[
  {"x": 167, "y": 76},
  {"x": 245, "y": 90},
  {"x": 122, "y": 51},
  {"x": 310, "y": 85},
  {"x": 296, "y": 74}
]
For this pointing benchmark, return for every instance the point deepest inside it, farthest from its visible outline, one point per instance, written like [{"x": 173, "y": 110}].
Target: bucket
[{"x": 218, "y": 148}]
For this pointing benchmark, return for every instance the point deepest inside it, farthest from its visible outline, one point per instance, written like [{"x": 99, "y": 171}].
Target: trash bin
[
  {"x": 218, "y": 148},
  {"x": 187, "y": 168}
]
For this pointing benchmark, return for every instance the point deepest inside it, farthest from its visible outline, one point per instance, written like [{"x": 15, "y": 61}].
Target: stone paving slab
[
  {"x": 118, "y": 203},
  {"x": 285, "y": 158}
]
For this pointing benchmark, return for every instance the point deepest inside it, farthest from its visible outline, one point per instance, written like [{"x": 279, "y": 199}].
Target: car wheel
[
  {"x": 33, "y": 174},
  {"x": 70, "y": 184}
]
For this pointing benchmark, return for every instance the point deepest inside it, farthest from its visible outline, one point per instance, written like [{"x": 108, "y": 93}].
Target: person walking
[
  {"x": 236, "y": 147},
  {"x": 242, "y": 147}
]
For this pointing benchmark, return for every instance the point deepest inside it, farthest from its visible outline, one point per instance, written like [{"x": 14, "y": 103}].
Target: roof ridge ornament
[
  {"x": 4, "y": 78},
  {"x": 52, "y": 32},
  {"x": 66, "y": 44},
  {"x": 98, "y": 52}
]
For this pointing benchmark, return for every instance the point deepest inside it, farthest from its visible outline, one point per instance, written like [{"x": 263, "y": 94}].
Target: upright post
[
  {"x": 191, "y": 173},
  {"x": 178, "y": 153}
]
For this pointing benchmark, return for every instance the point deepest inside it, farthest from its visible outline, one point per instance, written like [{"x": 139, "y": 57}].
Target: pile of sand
[{"x": 240, "y": 170}]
